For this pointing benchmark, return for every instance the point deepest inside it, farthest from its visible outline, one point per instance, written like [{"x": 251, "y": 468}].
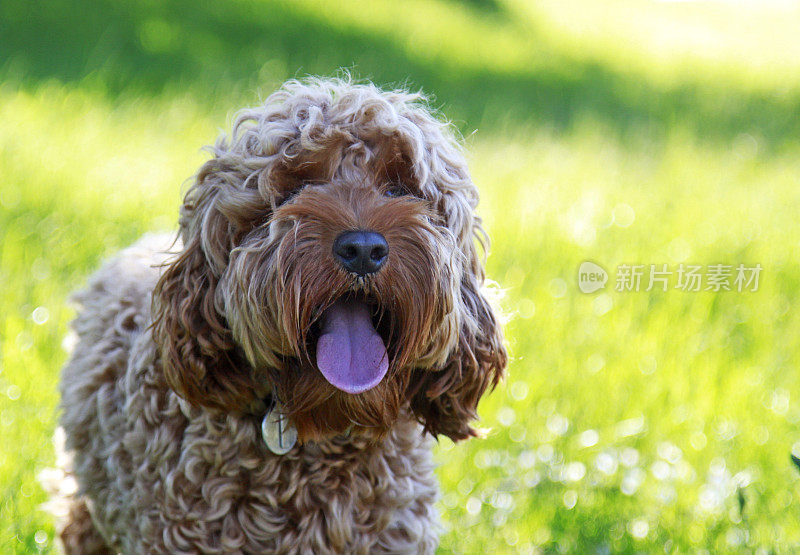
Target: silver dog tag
[{"x": 278, "y": 433}]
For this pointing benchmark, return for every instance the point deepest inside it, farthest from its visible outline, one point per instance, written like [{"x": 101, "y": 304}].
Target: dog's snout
[{"x": 361, "y": 252}]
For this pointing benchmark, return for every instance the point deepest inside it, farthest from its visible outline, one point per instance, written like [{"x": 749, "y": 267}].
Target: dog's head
[{"x": 329, "y": 261}]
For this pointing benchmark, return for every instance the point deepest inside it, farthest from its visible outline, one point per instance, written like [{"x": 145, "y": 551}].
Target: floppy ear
[
  {"x": 196, "y": 348},
  {"x": 447, "y": 400}
]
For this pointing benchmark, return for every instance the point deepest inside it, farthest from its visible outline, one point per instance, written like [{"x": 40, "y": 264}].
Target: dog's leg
[{"x": 80, "y": 536}]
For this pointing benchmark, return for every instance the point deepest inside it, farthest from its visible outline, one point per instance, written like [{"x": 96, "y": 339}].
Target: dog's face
[{"x": 329, "y": 262}]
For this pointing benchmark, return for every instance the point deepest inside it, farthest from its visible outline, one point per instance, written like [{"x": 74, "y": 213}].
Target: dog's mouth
[{"x": 351, "y": 339}]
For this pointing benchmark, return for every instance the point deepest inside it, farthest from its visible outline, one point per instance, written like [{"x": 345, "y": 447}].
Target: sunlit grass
[
  {"x": 629, "y": 421},
  {"x": 748, "y": 44},
  {"x": 636, "y": 419}
]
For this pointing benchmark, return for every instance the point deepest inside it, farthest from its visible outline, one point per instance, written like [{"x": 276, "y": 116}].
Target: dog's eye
[{"x": 395, "y": 191}]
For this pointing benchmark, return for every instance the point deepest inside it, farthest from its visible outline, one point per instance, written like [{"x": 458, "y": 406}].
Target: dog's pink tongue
[{"x": 350, "y": 353}]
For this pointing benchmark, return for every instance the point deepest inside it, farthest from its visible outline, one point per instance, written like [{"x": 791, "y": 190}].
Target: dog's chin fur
[
  {"x": 325, "y": 412},
  {"x": 236, "y": 313}
]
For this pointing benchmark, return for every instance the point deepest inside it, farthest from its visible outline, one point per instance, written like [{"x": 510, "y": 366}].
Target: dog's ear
[
  {"x": 447, "y": 400},
  {"x": 195, "y": 345}
]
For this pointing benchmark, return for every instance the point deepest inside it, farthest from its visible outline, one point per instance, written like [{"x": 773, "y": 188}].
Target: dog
[{"x": 274, "y": 383}]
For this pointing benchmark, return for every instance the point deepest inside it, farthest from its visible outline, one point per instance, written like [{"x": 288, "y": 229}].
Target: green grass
[{"x": 645, "y": 133}]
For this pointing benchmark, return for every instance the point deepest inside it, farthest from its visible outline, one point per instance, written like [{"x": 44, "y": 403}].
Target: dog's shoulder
[
  {"x": 113, "y": 312},
  {"x": 126, "y": 279}
]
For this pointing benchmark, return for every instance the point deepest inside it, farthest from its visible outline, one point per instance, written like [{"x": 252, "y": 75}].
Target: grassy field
[{"x": 639, "y": 133}]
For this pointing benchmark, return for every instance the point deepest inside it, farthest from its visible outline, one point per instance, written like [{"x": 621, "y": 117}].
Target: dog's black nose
[{"x": 361, "y": 252}]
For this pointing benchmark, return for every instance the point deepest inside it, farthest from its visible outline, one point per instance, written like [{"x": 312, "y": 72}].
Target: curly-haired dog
[{"x": 327, "y": 285}]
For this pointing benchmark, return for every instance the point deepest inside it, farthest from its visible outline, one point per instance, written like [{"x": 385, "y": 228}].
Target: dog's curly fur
[{"x": 179, "y": 358}]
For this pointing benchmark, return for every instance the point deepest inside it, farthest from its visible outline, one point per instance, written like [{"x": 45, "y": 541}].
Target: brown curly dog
[{"x": 272, "y": 386}]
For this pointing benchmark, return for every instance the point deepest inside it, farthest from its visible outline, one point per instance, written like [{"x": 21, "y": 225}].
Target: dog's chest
[{"x": 210, "y": 484}]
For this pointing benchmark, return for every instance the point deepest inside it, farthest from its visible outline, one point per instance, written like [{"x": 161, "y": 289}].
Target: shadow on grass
[{"x": 211, "y": 49}]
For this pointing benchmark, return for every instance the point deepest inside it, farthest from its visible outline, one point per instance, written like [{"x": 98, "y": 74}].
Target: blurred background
[{"x": 621, "y": 132}]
